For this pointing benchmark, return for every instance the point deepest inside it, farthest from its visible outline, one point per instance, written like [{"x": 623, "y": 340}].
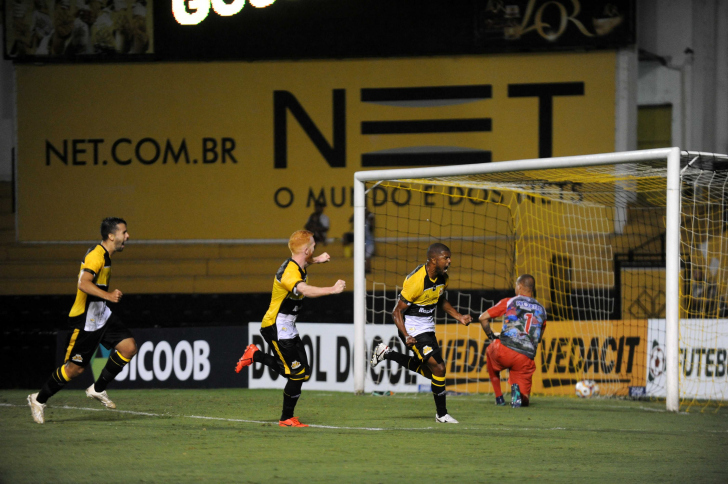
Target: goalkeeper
[
  {"x": 414, "y": 316},
  {"x": 279, "y": 323},
  {"x": 524, "y": 321}
]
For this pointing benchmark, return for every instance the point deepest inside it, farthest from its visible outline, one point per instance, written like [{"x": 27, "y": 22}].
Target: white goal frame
[{"x": 672, "y": 236}]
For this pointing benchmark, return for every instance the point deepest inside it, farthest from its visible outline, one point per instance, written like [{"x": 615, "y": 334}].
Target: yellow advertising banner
[
  {"x": 221, "y": 151},
  {"x": 612, "y": 353}
]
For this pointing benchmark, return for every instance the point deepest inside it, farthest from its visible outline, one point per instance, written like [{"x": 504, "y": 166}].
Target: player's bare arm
[
  {"x": 321, "y": 259},
  {"x": 86, "y": 284},
  {"x": 485, "y": 323},
  {"x": 464, "y": 319},
  {"x": 315, "y": 291},
  {"x": 398, "y": 316}
]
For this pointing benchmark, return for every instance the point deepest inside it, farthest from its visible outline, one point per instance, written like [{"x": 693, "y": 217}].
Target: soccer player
[
  {"x": 93, "y": 323},
  {"x": 278, "y": 329},
  {"x": 524, "y": 321},
  {"x": 414, "y": 316}
]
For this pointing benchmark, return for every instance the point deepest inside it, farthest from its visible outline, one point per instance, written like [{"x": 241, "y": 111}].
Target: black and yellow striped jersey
[
  {"x": 421, "y": 295},
  {"x": 285, "y": 301},
  {"x": 98, "y": 263}
]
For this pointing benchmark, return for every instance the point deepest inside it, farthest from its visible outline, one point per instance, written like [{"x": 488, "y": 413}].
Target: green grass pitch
[{"x": 233, "y": 436}]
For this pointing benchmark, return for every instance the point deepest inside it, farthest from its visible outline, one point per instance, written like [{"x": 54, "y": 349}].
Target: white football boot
[
  {"x": 378, "y": 354},
  {"x": 101, "y": 397},
  {"x": 445, "y": 419},
  {"x": 36, "y": 408}
]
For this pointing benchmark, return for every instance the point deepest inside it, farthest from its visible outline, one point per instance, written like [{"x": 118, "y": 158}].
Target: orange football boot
[
  {"x": 291, "y": 422},
  {"x": 247, "y": 358}
]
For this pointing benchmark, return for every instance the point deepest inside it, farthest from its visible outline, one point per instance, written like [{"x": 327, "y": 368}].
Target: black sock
[
  {"x": 439, "y": 393},
  {"x": 58, "y": 380},
  {"x": 113, "y": 367},
  {"x": 412, "y": 363},
  {"x": 268, "y": 360},
  {"x": 400, "y": 358},
  {"x": 291, "y": 393}
]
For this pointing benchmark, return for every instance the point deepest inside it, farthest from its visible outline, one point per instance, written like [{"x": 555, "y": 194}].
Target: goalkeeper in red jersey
[
  {"x": 524, "y": 321},
  {"x": 414, "y": 317}
]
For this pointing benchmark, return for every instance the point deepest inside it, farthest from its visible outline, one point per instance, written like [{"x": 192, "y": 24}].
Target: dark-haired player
[
  {"x": 278, "y": 328},
  {"x": 524, "y": 321},
  {"x": 92, "y": 323},
  {"x": 414, "y": 316}
]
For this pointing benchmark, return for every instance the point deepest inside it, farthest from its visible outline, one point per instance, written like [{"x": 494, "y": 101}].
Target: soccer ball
[{"x": 587, "y": 388}]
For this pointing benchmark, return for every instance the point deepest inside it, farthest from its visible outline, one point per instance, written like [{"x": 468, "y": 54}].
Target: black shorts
[
  {"x": 291, "y": 354},
  {"x": 426, "y": 346},
  {"x": 83, "y": 344}
]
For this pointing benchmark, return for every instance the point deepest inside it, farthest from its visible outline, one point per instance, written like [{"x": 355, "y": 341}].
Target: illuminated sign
[
  {"x": 192, "y": 12},
  {"x": 305, "y": 29}
]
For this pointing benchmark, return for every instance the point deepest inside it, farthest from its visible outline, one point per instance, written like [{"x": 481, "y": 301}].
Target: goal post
[{"x": 568, "y": 220}]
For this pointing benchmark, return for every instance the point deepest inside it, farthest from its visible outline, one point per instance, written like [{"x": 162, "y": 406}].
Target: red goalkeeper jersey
[{"x": 524, "y": 320}]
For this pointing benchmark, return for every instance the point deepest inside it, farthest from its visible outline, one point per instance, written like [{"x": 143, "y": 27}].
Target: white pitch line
[
  {"x": 221, "y": 419},
  {"x": 375, "y": 429}
]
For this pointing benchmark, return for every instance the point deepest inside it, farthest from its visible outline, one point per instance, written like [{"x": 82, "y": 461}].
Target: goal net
[{"x": 635, "y": 286}]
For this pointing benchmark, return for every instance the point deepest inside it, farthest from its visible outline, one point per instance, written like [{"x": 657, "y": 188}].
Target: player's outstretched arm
[
  {"x": 315, "y": 291},
  {"x": 464, "y": 319}
]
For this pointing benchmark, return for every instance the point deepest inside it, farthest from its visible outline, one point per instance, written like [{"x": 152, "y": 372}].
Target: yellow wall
[{"x": 99, "y": 105}]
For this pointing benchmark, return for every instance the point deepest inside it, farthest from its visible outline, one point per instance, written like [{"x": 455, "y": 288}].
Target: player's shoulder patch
[
  {"x": 96, "y": 258},
  {"x": 288, "y": 266},
  {"x": 414, "y": 271},
  {"x": 282, "y": 269}
]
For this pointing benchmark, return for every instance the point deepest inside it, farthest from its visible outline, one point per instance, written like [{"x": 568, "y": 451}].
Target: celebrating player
[
  {"x": 524, "y": 321},
  {"x": 414, "y": 316},
  {"x": 279, "y": 323},
  {"x": 93, "y": 324}
]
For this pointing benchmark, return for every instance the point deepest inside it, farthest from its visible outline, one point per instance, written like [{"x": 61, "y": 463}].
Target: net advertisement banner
[
  {"x": 702, "y": 358},
  {"x": 612, "y": 353},
  {"x": 171, "y": 358},
  {"x": 227, "y": 151},
  {"x": 330, "y": 351}
]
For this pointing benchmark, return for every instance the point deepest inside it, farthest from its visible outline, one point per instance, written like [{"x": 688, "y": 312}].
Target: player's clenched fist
[
  {"x": 465, "y": 319},
  {"x": 115, "y": 296},
  {"x": 338, "y": 287}
]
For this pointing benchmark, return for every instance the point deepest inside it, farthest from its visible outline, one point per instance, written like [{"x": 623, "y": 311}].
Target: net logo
[{"x": 192, "y": 12}]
